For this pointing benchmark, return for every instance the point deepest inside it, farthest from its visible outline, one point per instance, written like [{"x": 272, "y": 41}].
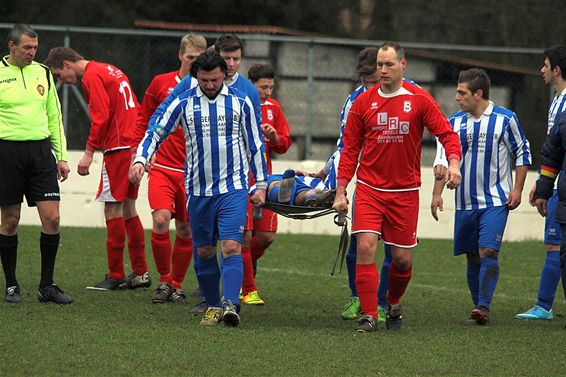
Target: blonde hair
[{"x": 193, "y": 40}]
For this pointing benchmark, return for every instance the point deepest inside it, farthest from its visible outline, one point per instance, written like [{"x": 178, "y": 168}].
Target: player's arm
[
  {"x": 518, "y": 144},
  {"x": 439, "y": 126},
  {"x": 440, "y": 165},
  {"x": 437, "y": 203},
  {"x": 281, "y": 142},
  {"x": 56, "y": 130},
  {"x": 154, "y": 136},
  {"x": 148, "y": 106},
  {"x": 353, "y": 141},
  {"x": 552, "y": 157},
  {"x": 255, "y": 149},
  {"x": 99, "y": 111},
  {"x": 182, "y": 87}
]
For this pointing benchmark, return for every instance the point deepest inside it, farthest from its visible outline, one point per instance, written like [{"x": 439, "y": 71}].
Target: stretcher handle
[{"x": 258, "y": 213}]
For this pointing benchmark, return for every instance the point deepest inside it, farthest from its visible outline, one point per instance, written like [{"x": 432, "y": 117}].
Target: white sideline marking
[{"x": 414, "y": 285}]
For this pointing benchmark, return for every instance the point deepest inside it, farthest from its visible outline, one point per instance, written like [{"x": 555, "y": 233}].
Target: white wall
[{"x": 78, "y": 207}]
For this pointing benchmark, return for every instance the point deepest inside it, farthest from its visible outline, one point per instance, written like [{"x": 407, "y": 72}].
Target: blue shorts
[
  {"x": 551, "y": 228},
  {"x": 220, "y": 217},
  {"x": 479, "y": 228}
]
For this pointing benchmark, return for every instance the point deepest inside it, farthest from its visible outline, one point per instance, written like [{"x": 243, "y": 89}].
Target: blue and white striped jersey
[
  {"x": 557, "y": 106},
  {"x": 188, "y": 82},
  {"x": 490, "y": 146},
  {"x": 222, "y": 138}
]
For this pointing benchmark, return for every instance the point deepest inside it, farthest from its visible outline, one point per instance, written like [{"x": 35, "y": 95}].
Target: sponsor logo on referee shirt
[
  {"x": 41, "y": 89},
  {"x": 7, "y": 81}
]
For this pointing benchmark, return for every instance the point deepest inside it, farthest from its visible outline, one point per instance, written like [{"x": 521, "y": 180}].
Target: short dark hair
[
  {"x": 400, "y": 51},
  {"x": 15, "y": 34},
  {"x": 58, "y": 54},
  {"x": 476, "y": 79},
  {"x": 557, "y": 57},
  {"x": 367, "y": 61},
  {"x": 208, "y": 61},
  {"x": 260, "y": 71},
  {"x": 229, "y": 42}
]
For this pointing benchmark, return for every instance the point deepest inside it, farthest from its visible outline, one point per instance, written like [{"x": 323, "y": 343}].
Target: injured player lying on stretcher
[{"x": 295, "y": 188}]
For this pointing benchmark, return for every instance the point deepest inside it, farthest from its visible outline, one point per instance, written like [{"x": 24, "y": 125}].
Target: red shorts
[
  {"x": 166, "y": 190},
  {"x": 268, "y": 222},
  {"x": 392, "y": 215},
  {"x": 115, "y": 185}
]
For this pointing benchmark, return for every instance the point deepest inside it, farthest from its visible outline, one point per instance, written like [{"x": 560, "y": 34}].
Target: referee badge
[{"x": 40, "y": 89}]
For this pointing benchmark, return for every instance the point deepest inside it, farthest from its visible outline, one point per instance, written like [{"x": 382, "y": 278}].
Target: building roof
[
  {"x": 433, "y": 55},
  {"x": 215, "y": 28}
]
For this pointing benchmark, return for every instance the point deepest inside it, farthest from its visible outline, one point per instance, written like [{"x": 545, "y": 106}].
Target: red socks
[
  {"x": 248, "y": 284},
  {"x": 367, "y": 280},
  {"x": 398, "y": 282},
  {"x": 257, "y": 250},
  {"x": 161, "y": 248},
  {"x": 116, "y": 237},
  {"x": 136, "y": 245},
  {"x": 181, "y": 259}
]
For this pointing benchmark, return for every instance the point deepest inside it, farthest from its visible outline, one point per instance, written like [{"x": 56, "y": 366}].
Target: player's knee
[
  {"x": 265, "y": 239},
  {"x": 10, "y": 224},
  {"x": 473, "y": 258},
  {"x": 488, "y": 252},
  {"x": 231, "y": 248},
  {"x": 403, "y": 263},
  {"x": 161, "y": 222},
  {"x": 366, "y": 250},
  {"x": 51, "y": 221},
  {"x": 206, "y": 252},
  {"x": 184, "y": 231}
]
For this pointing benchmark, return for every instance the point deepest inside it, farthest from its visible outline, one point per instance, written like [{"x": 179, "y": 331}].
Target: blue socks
[
  {"x": 488, "y": 276},
  {"x": 473, "y": 275},
  {"x": 208, "y": 275},
  {"x": 351, "y": 265},
  {"x": 549, "y": 278},
  {"x": 232, "y": 276},
  {"x": 384, "y": 278}
]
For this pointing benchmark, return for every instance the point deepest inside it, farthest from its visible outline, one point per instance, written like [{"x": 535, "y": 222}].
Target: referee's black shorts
[{"x": 27, "y": 168}]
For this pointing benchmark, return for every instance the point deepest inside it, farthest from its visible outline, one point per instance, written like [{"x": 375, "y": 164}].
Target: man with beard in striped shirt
[{"x": 223, "y": 140}]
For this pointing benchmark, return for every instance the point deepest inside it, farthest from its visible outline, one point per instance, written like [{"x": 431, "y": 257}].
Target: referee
[{"x": 33, "y": 156}]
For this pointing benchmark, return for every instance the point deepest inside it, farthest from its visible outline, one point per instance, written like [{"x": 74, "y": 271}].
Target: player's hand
[
  {"x": 436, "y": 204},
  {"x": 453, "y": 176},
  {"x": 532, "y": 195},
  {"x": 514, "y": 199},
  {"x": 62, "y": 171},
  {"x": 84, "y": 163},
  {"x": 258, "y": 198},
  {"x": 151, "y": 162},
  {"x": 540, "y": 203},
  {"x": 269, "y": 132},
  {"x": 340, "y": 201},
  {"x": 136, "y": 173},
  {"x": 439, "y": 171}
]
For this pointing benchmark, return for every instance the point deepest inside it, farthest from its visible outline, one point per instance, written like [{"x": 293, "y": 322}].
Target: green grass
[{"x": 298, "y": 331}]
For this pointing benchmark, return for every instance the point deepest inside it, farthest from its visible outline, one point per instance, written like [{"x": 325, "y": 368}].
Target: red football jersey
[
  {"x": 112, "y": 105},
  {"x": 388, "y": 128},
  {"x": 272, "y": 114},
  {"x": 171, "y": 154}
]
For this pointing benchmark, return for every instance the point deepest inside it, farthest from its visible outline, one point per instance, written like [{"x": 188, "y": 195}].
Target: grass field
[{"x": 298, "y": 331}]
